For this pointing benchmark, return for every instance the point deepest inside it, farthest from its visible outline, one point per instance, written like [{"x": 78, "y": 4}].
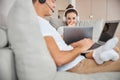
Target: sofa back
[
  {"x": 96, "y": 24},
  {"x": 33, "y": 60}
]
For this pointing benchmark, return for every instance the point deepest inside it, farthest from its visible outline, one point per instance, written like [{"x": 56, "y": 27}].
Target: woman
[{"x": 71, "y": 18}]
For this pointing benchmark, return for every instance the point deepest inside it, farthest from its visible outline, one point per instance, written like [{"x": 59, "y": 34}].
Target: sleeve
[
  {"x": 46, "y": 31},
  {"x": 60, "y": 30},
  {"x": 45, "y": 28}
]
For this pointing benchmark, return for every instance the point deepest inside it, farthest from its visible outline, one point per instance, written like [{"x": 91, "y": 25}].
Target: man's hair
[{"x": 34, "y": 1}]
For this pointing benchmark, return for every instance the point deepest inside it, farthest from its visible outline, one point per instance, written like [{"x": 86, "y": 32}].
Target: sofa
[{"x": 23, "y": 51}]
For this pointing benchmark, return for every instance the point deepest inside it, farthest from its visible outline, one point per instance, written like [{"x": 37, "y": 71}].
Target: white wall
[
  {"x": 60, "y": 5},
  {"x": 109, "y": 10},
  {"x": 73, "y": 2},
  {"x": 113, "y": 10}
]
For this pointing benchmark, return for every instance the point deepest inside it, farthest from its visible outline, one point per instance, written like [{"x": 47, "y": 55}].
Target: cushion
[
  {"x": 5, "y": 6},
  {"x": 93, "y": 76},
  {"x": 7, "y": 68},
  {"x": 33, "y": 60},
  {"x": 3, "y": 38}
]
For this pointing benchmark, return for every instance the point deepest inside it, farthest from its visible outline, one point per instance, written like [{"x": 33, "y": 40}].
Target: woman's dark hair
[
  {"x": 69, "y": 6},
  {"x": 70, "y": 9}
]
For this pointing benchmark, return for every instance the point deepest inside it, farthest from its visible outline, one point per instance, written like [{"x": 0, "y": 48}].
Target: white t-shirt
[
  {"x": 48, "y": 30},
  {"x": 61, "y": 30}
]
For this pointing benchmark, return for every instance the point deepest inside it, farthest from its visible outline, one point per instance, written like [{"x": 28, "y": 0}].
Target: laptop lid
[
  {"x": 108, "y": 31},
  {"x": 73, "y": 34}
]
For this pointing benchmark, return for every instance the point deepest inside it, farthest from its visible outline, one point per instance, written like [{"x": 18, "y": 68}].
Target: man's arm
[{"x": 62, "y": 57}]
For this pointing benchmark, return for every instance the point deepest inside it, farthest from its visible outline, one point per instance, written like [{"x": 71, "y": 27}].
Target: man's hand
[{"x": 85, "y": 44}]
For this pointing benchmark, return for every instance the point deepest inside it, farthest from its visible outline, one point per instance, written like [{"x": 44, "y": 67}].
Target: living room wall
[
  {"x": 99, "y": 9},
  {"x": 93, "y": 9},
  {"x": 60, "y": 5}
]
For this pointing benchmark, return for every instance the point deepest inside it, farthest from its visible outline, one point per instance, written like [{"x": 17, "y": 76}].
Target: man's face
[
  {"x": 50, "y": 6},
  {"x": 45, "y": 9}
]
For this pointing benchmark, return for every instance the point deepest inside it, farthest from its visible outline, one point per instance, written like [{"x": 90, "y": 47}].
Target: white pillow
[{"x": 7, "y": 67}]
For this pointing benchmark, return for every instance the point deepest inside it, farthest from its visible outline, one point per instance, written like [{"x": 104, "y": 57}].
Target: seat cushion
[
  {"x": 92, "y": 76},
  {"x": 7, "y": 68}
]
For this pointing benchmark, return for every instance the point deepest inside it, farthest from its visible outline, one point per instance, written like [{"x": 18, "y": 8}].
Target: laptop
[
  {"x": 107, "y": 33},
  {"x": 73, "y": 34}
]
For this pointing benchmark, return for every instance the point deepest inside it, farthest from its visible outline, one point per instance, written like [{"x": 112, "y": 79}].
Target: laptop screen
[
  {"x": 108, "y": 31},
  {"x": 73, "y": 34}
]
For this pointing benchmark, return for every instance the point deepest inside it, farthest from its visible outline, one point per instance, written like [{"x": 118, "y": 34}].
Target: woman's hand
[{"x": 72, "y": 24}]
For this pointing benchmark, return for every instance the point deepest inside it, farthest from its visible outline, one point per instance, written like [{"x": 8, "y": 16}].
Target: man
[{"x": 68, "y": 57}]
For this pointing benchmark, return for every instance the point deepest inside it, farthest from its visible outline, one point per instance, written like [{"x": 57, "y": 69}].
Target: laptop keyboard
[{"x": 96, "y": 45}]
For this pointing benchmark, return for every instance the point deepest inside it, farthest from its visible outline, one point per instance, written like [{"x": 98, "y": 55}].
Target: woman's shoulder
[{"x": 61, "y": 27}]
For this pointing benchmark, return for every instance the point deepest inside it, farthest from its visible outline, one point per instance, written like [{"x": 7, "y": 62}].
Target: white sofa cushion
[
  {"x": 93, "y": 76},
  {"x": 33, "y": 61},
  {"x": 3, "y": 38},
  {"x": 7, "y": 68},
  {"x": 5, "y": 6}
]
